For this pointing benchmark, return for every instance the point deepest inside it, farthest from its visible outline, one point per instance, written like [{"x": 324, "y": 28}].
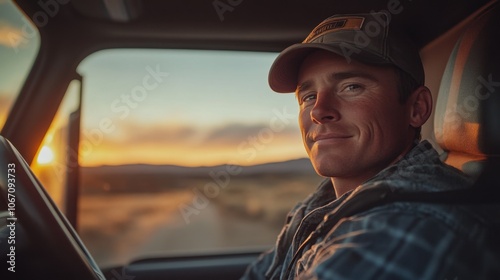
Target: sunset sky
[
  {"x": 205, "y": 108},
  {"x": 164, "y": 106},
  {"x": 17, "y": 52}
]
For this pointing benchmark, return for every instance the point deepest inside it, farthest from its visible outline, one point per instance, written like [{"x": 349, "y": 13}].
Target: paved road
[{"x": 208, "y": 231}]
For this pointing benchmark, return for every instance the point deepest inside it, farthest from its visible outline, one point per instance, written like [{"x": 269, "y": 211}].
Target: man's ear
[{"x": 420, "y": 103}]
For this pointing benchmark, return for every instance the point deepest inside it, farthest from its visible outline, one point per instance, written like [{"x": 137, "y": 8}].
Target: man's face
[{"x": 351, "y": 120}]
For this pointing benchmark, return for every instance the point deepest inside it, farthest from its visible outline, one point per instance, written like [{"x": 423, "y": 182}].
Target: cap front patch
[{"x": 335, "y": 24}]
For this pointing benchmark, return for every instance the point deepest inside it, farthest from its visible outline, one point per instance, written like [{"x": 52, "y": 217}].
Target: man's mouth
[{"x": 330, "y": 136}]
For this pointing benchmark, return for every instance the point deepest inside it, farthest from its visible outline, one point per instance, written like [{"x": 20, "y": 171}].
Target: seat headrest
[{"x": 467, "y": 117}]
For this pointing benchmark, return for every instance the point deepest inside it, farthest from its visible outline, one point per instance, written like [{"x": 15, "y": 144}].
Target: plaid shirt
[{"x": 398, "y": 240}]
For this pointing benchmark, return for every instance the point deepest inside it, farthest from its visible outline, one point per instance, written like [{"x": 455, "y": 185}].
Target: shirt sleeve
[
  {"x": 270, "y": 264},
  {"x": 382, "y": 245},
  {"x": 257, "y": 270}
]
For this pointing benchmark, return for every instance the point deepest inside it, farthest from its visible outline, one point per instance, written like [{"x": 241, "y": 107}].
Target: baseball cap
[{"x": 366, "y": 38}]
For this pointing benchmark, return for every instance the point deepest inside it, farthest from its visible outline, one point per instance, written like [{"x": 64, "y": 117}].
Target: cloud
[
  {"x": 130, "y": 134},
  {"x": 10, "y": 36},
  {"x": 234, "y": 134},
  {"x": 5, "y": 104},
  {"x": 160, "y": 134},
  {"x": 6, "y": 100}
]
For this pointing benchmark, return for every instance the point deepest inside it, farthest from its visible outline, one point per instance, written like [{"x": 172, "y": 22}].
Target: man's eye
[
  {"x": 308, "y": 97},
  {"x": 352, "y": 87}
]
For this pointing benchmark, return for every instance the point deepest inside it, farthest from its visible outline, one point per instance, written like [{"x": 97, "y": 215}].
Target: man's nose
[{"x": 325, "y": 109}]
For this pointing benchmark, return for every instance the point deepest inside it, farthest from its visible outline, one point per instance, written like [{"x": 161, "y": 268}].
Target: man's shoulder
[
  {"x": 403, "y": 205},
  {"x": 421, "y": 170},
  {"x": 411, "y": 237},
  {"x": 429, "y": 219}
]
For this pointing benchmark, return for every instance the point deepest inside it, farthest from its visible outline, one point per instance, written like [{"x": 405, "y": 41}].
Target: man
[{"x": 360, "y": 88}]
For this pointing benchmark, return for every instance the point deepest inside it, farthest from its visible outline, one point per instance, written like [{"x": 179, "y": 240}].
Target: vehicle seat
[{"x": 467, "y": 117}]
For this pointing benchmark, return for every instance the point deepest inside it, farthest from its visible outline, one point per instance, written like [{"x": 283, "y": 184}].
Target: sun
[{"x": 45, "y": 156}]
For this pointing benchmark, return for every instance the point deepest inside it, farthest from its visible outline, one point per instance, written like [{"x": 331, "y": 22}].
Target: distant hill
[
  {"x": 298, "y": 166},
  {"x": 131, "y": 178}
]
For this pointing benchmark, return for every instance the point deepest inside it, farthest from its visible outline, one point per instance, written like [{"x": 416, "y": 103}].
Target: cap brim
[{"x": 284, "y": 71}]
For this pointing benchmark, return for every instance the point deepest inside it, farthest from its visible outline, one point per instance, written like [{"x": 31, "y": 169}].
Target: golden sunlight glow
[
  {"x": 116, "y": 154},
  {"x": 45, "y": 156}
]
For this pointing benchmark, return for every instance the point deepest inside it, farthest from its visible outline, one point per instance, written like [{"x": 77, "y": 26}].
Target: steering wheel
[{"x": 55, "y": 250}]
